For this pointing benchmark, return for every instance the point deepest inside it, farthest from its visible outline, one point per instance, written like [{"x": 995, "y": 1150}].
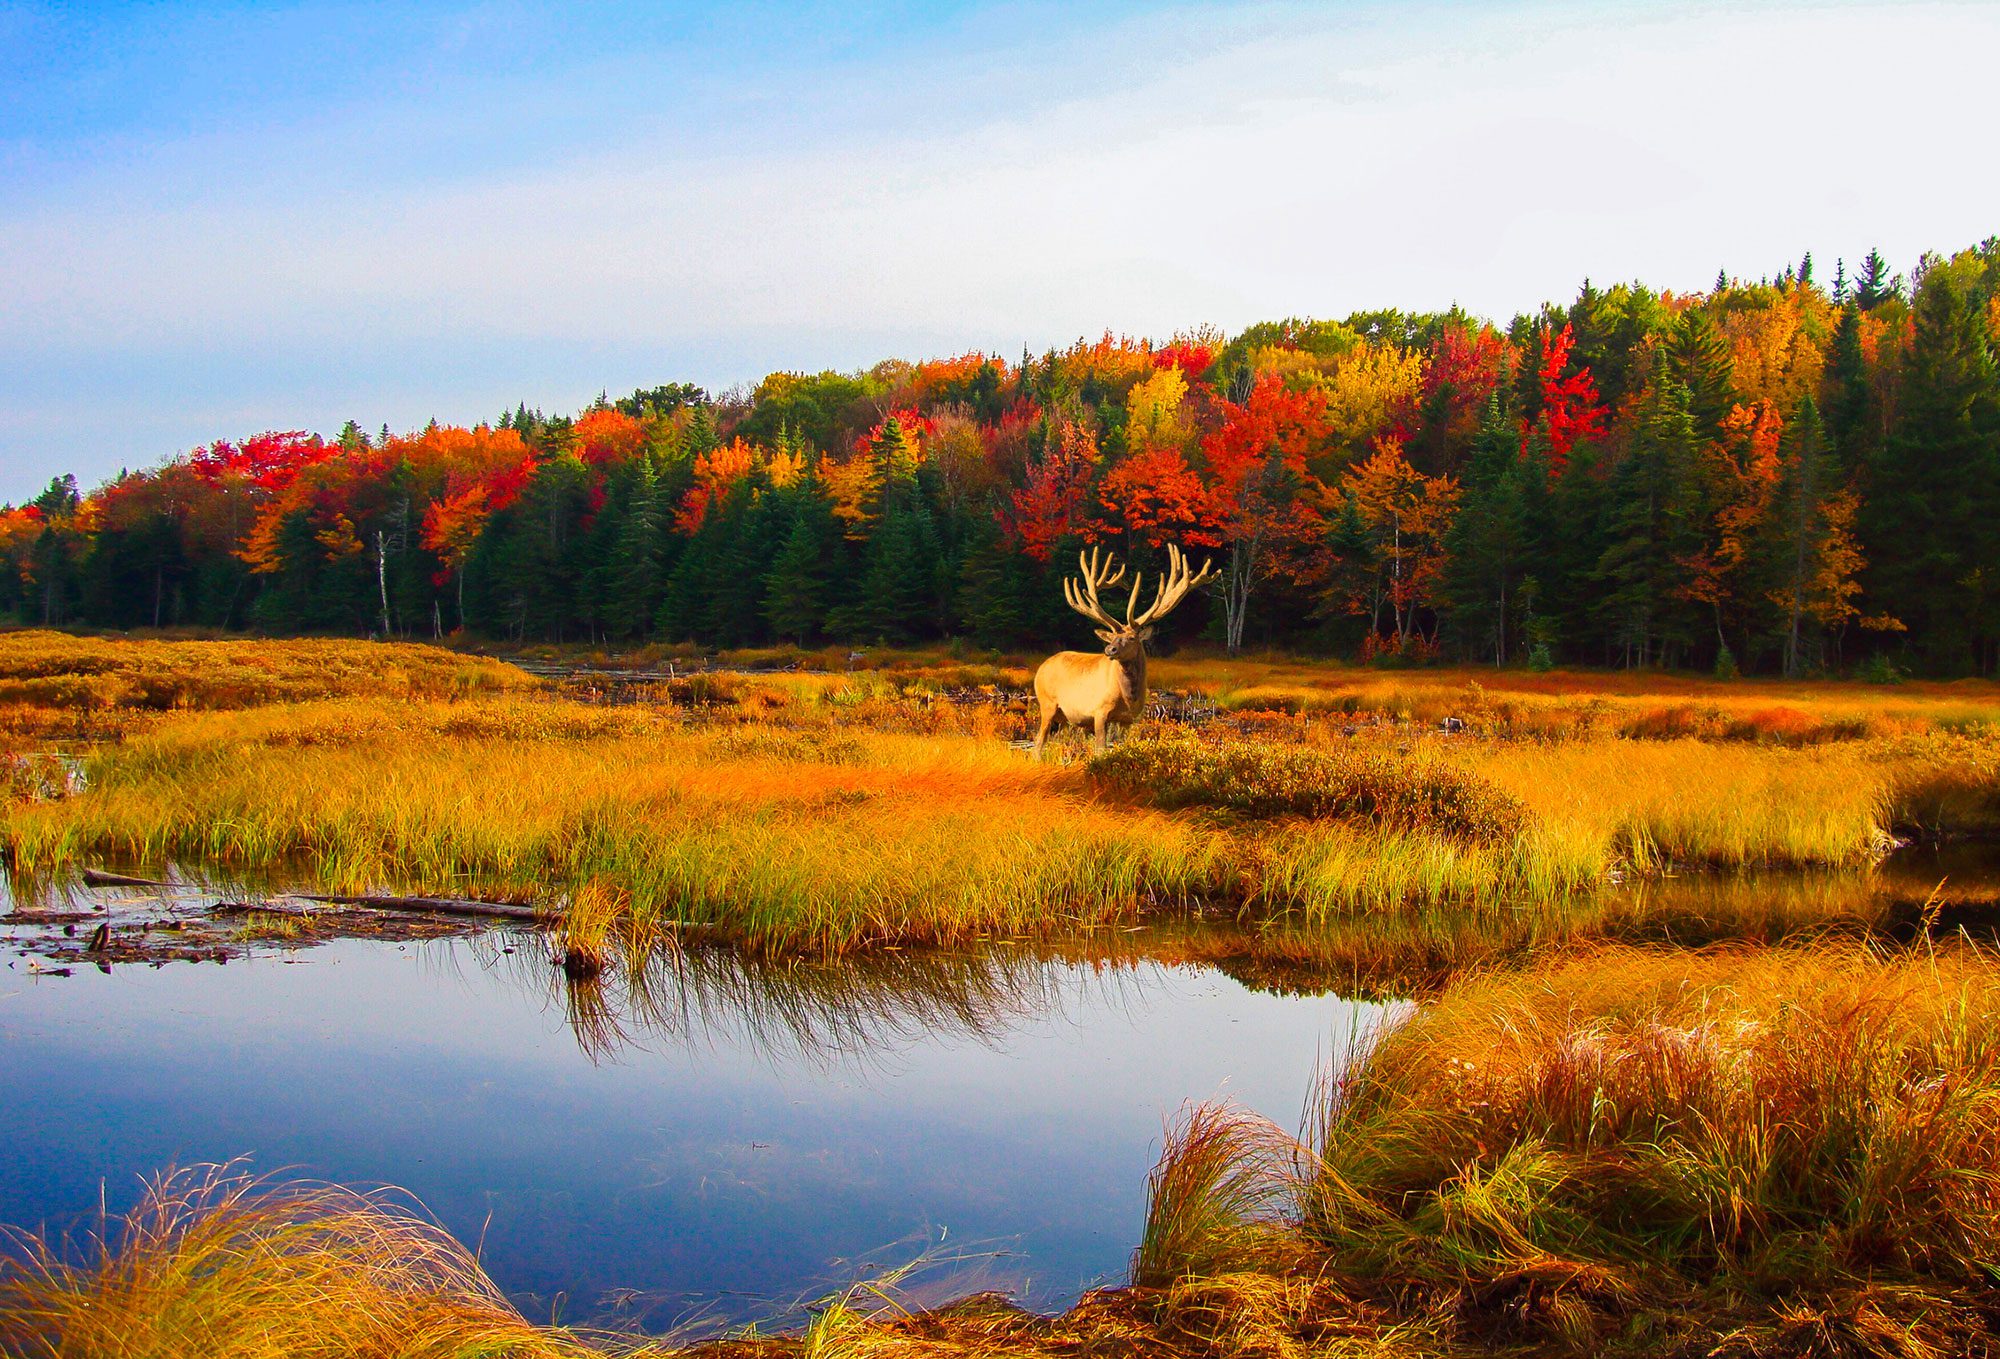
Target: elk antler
[
  {"x": 1097, "y": 574},
  {"x": 1174, "y": 585}
]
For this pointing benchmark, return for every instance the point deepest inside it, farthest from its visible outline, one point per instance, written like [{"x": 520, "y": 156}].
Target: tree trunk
[{"x": 382, "y": 576}]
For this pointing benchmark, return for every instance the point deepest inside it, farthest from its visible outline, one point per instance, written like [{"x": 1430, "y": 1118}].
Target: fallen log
[
  {"x": 499, "y": 910},
  {"x": 97, "y": 877}
]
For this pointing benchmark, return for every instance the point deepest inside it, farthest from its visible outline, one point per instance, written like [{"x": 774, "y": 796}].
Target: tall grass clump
[
  {"x": 1343, "y": 783},
  {"x": 1781, "y": 1151},
  {"x": 215, "y": 1264},
  {"x": 1218, "y": 1198}
]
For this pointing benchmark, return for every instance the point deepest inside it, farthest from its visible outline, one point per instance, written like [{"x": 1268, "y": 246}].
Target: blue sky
[{"x": 218, "y": 219}]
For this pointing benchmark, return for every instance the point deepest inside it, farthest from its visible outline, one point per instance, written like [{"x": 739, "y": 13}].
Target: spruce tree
[
  {"x": 634, "y": 578},
  {"x": 1797, "y": 540},
  {"x": 1699, "y": 359},
  {"x": 992, "y": 587},
  {"x": 797, "y": 586}
]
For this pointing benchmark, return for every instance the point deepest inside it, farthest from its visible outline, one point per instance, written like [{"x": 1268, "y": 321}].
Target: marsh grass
[
  {"x": 818, "y": 837},
  {"x": 1773, "y": 1151},
  {"x": 1348, "y": 783},
  {"x": 56, "y": 684},
  {"x": 217, "y": 1264},
  {"x": 1217, "y": 1200}
]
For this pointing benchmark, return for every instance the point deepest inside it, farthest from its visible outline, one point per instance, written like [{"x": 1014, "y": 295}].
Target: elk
[{"x": 1078, "y": 686}]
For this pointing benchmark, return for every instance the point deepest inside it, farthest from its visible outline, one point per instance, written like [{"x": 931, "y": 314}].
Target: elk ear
[
  {"x": 1106, "y": 636},
  {"x": 1145, "y": 634}
]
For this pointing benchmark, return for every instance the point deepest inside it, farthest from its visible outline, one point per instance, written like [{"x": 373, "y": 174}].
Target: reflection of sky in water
[{"x": 748, "y": 1142}]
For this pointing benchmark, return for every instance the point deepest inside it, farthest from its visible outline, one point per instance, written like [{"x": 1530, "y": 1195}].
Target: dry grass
[
  {"x": 215, "y": 1264},
  {"x": 817, "y": 835},
  {"x": 815, "y": 812},
  {"x": 1639, "y": 704},
  {"x": 219, "y": 1266},
  {"x": 1771, "y": 1151},
  {"x": 59, "y": 684}
]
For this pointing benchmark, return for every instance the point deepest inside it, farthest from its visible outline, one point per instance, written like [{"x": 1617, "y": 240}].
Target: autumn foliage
[{"x": 1732, "y": 478}]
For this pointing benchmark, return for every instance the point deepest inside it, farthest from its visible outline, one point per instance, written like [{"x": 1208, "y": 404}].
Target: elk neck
[{"x": 1132, "y": 671}]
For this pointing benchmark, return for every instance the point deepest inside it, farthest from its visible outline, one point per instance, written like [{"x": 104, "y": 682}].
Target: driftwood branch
[
  {"x": 97, "y": 877},
  {"x": 434, "y": 905}
]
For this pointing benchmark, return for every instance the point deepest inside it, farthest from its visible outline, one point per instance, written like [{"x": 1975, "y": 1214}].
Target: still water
[{"x": 714, "y": 1141}]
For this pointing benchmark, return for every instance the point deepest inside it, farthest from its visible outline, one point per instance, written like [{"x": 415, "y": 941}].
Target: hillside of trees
[{"x": 1793, "y": 475}]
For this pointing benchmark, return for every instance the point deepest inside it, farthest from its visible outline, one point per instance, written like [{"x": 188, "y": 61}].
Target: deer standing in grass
[{"x": 1080, "y": 687}]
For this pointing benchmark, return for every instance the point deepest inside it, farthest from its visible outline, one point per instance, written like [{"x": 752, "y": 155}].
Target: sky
[{"x": 217, "y": 219}]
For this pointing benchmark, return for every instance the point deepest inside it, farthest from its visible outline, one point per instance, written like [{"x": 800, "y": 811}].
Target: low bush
[{"x": 1262, "y": 781}]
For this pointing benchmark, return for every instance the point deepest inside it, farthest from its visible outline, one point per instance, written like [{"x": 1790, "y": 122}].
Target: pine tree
[
  {"x": 797, "y": 585},
  {"x": 635, "y": 577},
  {"x": 1806, "y": 535},
  {"x": 1873, "y": 286},
  {"x": 1639, "y": 568},
  {"x": 1699, "y": 359},
  {"x": 992, "y": 586},
  {"x": 1853, "y": 410}
]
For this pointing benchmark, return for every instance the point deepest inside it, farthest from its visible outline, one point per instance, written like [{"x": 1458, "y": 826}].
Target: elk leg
[
  {"x": 1050, "y": 712},
  {"x": 1101, "y": 734}
]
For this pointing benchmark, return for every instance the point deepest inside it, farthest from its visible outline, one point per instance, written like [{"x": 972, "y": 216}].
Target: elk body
[{"x": 1107, "y": 688}]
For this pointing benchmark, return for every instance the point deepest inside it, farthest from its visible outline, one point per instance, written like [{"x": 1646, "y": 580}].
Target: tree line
[{"x": 1789, "y": 475}]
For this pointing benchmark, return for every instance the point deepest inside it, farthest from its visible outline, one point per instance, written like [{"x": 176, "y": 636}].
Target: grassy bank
[
  {"x": 813, "y": 836},
  {"x": 1628, "y": 1152},
  {"x": 1642, "y": 705},
  {"x": 820, "y": 812}
]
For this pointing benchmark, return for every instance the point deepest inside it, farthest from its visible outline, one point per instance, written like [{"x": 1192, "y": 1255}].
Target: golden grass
[
  {"x": 215, "y": 1264},
  {"x": 1634, "y": 1152},
  {"x": 46, "y": 676},
  {"x": 1594, "y": 703},
  {"x": 813, "y": 835},
  {"x": 818, "y": 813}
]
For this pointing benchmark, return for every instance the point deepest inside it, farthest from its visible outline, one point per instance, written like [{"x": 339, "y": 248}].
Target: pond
[{"x": 713, "y": 1142}]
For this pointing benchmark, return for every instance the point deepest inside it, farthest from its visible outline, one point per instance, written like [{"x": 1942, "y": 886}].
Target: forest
[{"x": 1789, "y": 476}]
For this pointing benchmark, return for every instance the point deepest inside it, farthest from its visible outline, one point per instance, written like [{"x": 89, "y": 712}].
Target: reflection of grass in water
[{"x": 863, "y": 1009}]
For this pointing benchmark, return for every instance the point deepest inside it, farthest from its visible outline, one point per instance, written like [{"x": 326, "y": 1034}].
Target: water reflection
[
  {"x": 706, "y": 1135},
  {"x": 860, "y": 1011}
]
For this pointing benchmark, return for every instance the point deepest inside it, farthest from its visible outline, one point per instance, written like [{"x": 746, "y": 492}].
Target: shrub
[{"x": 1263, "y": 781}]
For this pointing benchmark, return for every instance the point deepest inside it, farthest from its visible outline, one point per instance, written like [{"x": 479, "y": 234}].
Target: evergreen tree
[
  {"x": 1638, "y": 569},
  {"x": 1930, "y": 520},
  {"x": 1873, "y": 285},
  {"x": 1488, "y": 540},
  {"x": 1807, "y": 537},
  {"x": 797, "y": 586},
  {"x": 993, "y": 587},
  {"x": 635, "y": 577},
  {"x": 1698, "y": 358},
  {"x": 1853, "y": 411}
]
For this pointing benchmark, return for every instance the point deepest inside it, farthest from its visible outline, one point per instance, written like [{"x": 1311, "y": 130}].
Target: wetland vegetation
[{"x": 1696, "y": 1069}]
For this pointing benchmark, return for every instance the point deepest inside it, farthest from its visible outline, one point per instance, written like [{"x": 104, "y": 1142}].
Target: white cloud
[{"x": 1220, "y": 173}]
